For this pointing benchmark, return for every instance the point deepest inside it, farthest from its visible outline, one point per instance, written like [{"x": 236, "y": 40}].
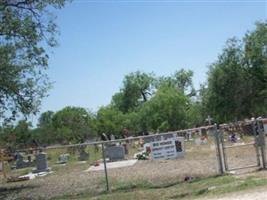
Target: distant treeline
[{"x": 236, "y": 88}]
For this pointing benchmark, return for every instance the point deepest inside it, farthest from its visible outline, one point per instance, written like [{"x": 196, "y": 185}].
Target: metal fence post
[
  {"x": 105, "y": 166},
  {"x": 218, "y": 149},
  {"x": 224, "y": 156},
  {"x": 256, "y": 143},
  {"x": 262, "y": 143}
]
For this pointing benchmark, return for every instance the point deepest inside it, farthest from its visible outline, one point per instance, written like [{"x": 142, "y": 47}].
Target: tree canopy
[
  {"x": 137, "y": 88},
  {"x": 27, "y": 28},
  {"x": 237, "y": 81},
  {"x": 236, "y": 88}
]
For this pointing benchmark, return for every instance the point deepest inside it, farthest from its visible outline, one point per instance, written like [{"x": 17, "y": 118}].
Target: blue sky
[{"x": 102, "y": 41}]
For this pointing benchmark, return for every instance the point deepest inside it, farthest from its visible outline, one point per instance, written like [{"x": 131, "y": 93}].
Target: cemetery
[
  {"x": 132, "y": 99},
  {"x": 169, "y": 158}
]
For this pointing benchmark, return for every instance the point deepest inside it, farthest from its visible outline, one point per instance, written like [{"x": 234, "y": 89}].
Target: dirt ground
[
  {"x": 199, "y": 161},
  {"x": 255, "y": 194}
]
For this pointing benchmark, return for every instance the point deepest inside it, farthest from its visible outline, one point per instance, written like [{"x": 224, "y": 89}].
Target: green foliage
[
  {"x": 26, "y": 29},
  {"x": 236, "y": 88},
  {"x": 195, "y": 114},
  {"x": 72, "y": 124},
  {"x": 18, "y": 136},
  {"x": 137, "y": 88},
  {"x": 226, "y": 87},
  {"x": 45, "y": 119},
  {"x": 181, "y": 80},
  {"x": 23, "y": 136},
  {"x": 165, "y": 111},
  {"x": 255, "y": 65},
  {"x": 237, "y": 81},
  {"x": 45, "y": 132},
  {"x": 109, "y": 120}
]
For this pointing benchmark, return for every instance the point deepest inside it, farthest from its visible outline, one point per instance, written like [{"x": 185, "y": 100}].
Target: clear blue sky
[{"x": 102, "y": 41}]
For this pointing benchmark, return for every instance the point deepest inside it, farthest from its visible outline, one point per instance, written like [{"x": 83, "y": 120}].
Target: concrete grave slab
[{"x": 111, "y": 165}]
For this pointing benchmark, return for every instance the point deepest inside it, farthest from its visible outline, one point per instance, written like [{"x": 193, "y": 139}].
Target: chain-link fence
[
  {"x": 95, "y": 167},
  {"x": 79, "y": 169},
  {"x": 243, "y": 146}
]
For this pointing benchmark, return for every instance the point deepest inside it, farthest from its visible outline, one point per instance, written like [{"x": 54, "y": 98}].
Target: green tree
[
  {"x": 109, "y": 120},
  {"x": 227, "y": 85},
  {"x": 72, "y": 125},
  {"x": 27, "y": 28},
  {"x": 237, "y": 81},
  {"x": 195, "y": 115},
  {"x": 137, "y": 88},
  {"x": 166, "y": 111},
  {"x": 255, "y": 65},
  {"x": 45, "y": 119},
  {"x": 45, "y": 132},
  {"x": 23, "y": 133},
  {"x": 16, "y": 136},
  {"x": 181, "y": 80},
  {"x": 7, "y": 136}
]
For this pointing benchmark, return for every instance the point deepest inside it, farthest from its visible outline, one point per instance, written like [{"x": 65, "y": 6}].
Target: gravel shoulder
[{"x": 255, "y": 194}]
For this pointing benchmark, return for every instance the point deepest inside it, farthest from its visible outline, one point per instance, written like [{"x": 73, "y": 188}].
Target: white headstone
[
  {"x": 189, "y": 135},
  {"x": 200, "y": 132},
  {"x": 112, "y": 137}
]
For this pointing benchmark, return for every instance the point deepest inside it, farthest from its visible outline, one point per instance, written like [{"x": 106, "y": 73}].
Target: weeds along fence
[{"x": 85, "y": 168}]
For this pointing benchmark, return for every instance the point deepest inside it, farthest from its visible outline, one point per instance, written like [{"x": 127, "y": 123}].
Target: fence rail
[
  {"x": 200, "y": 160},
  {"x": 117, "y": 140}
]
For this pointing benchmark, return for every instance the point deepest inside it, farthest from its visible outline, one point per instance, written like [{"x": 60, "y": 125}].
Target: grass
[
  {"x": 145, "y": 180},
  {"x": 53, "y": 154},
  {"x": 207, "y": 187}
]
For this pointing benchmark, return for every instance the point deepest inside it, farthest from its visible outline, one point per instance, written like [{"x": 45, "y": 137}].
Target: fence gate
[{"x": 237, "y": 151}]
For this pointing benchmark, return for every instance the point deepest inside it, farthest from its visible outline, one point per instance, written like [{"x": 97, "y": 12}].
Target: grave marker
[
  {"x": 115, "y": 153},
  {"x": 41, "y": 163},
  {"x": 84, "y": 156},
  {"x": 63, "y": 158},
  {"x": 21, "y": 163}
]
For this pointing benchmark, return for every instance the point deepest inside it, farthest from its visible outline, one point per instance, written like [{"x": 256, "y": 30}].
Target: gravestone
[
  {"x": 63, "y": 158},
  {"x": 21, "y": 163},
  {"x": 210, "y": 132},
  {"x": 112, "y": 137},
  {"x": 148, "y": 139},
  {"x": 200, "y": 132},
  {"x": 169, "y": 136},
  {"x": 189, "y": 135},
  {"x": 84, "y": 156},
  {"x": 41, "y": 163},
  {"x": 115, "y": 153}
]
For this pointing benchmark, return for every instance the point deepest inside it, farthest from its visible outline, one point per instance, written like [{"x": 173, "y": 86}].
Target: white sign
[
  {"x": 167, "y": 149},
  {"x": 265, "y": 125}
]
